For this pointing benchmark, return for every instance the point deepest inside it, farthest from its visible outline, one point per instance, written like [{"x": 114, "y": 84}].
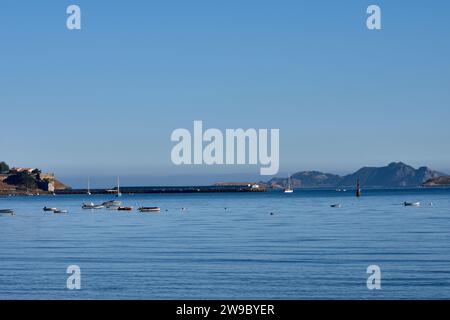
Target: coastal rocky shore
[
  {"x": 27, "y": 181},
  {"x": 438, "y": 182}
]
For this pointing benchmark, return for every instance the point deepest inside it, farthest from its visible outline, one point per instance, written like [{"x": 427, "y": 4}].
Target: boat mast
[{"x": 118, "y": 187}]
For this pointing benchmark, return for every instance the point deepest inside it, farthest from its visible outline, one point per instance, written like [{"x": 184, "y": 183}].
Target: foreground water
[{"x": 305, "y": 250}]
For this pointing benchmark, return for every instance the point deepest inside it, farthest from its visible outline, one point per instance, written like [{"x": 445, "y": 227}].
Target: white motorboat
[
  {"x": 90, "y": 205},
  {"x": 411, "y": 204}
]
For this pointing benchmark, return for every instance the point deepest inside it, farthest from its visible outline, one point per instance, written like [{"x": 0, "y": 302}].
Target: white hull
[
  {"x": 110, "y": 204},
  {"x": 411, "y": 204},
  {"x": 149, "y": 209},
  {"x": 92, "y": 206}
]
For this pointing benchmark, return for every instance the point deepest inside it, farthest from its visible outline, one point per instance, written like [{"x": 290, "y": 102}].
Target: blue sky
[{"x": 103, "y": 101}]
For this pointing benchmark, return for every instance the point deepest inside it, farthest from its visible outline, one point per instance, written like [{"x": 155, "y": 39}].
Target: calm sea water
[{"x": 305, "y": 250}]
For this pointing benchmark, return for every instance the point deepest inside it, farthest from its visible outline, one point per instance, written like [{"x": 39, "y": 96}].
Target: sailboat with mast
[
  {"x": 289, "y": 188},
  {"x": 89, "y": 187},
  {"x": 118, "y": 188}
]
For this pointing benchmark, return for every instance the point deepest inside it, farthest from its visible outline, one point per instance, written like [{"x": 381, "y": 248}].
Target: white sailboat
[
  {"x": 89, "y": 187},
  {"x": 289, "y": 189},
  {"x": 118, "y": 188}
]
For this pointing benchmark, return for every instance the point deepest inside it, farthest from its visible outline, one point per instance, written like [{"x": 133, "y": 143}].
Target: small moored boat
[
  {"x": 112, "y": 204},
  {"x": 49, "y": 209},
  {"x": 125, "y": 208},
  {"x": 411, "y": 204},
  {"x": 149, "y": 209},
  {"x": 7, "y": 211},
  {"x": 336, "y": 205},
  {"x": 90, "y": 205},
  {"x": 60, "y": 211}
]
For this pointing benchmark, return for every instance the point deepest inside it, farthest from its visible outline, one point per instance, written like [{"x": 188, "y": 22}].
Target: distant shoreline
[
  {"x": 207, "y": 189},
  {"x": 166, "y": 189}
]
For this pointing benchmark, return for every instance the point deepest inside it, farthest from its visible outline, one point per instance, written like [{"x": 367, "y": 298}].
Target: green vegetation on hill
[
  {"x": 4, "y": 168},
  {"x": 22, "y": 179}
]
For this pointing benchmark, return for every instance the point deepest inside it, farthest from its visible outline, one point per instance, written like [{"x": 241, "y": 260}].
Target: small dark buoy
[
  {"x": 358, "y": 189},
  {"x": 271, "y": 213}
]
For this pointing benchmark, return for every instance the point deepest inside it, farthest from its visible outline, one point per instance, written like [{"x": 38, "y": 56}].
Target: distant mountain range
[{"x": 396, "y": 174}]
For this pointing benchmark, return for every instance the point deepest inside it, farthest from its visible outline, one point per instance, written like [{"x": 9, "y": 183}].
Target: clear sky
[{"x": 103, "y": 101}]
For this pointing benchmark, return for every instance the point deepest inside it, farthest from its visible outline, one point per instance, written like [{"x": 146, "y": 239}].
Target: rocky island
[{"x": 394, "y": 175}]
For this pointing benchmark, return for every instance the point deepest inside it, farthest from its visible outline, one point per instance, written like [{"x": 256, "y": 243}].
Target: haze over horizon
[{"x": 102, "y": 101}]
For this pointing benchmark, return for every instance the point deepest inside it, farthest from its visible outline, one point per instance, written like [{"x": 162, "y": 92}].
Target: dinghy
[
  {"x": 125, "y": 208},
  {"x": 149, "y": 209},
  {"x": 411, "y": 204},
  {"x": 90, "y": 205},
  {"x": 49, "y": 209},
  {"x": 7, "y": 211},
  {"x": 112, "y": 204}
]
